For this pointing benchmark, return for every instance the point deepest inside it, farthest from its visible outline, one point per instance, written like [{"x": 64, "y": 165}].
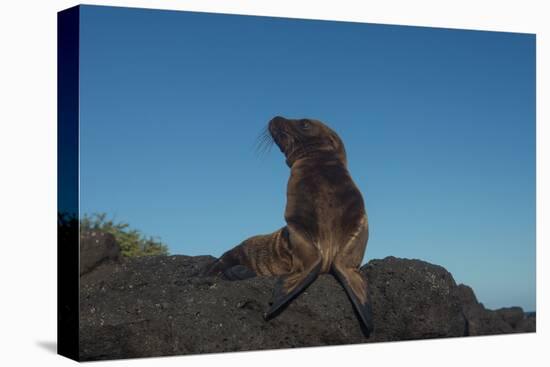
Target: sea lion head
[{"x": 306, "y": 138}]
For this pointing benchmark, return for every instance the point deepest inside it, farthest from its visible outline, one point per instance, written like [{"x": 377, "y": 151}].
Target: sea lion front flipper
[
  {"x": 291, "y": 285},
  {"x": 238, "y": 272},
  {"x": 232, "y": 265},
  {"x": 356, "y": 287},
  {"x": 229, "y": 271}
]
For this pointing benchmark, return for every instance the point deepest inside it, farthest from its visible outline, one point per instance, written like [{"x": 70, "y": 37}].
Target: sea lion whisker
[
  {"x": 263, "y": 132},
  {"x": 264, "y": 143},
  {"x": 261, "y": 152},
  {"x": 258, "y": 142},
  {"x": 263, "y": 138},
  {"x": 268, "y": 140},
  {"x": 266, "y": 149}
]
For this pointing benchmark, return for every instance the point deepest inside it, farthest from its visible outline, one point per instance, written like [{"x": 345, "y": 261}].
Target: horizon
[{"x": 438, "y": 125}]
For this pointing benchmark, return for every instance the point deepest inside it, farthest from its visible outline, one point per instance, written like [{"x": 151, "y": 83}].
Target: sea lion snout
[
  {"x": 279, "y": 132},
  {"x": 276, "y": 123},
  {"x": 278, "y": 120}
]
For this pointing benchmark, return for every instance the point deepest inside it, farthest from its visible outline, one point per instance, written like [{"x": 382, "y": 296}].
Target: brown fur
[{"x": 327, "y": 227}]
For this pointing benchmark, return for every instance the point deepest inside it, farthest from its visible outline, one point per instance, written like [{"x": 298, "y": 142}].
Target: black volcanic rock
[
  {"x": 160, "y": 305},
  {"x": 511, "y": 315},
  {"x": 413, "y": 299},
  {"x": 482, "y": 321}
]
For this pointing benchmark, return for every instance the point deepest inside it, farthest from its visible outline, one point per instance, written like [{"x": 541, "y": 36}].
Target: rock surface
[
  {"x": 160, "y": 305},
  {"x": 97, "y": 247},
  {"x": 482, "y": 321}
]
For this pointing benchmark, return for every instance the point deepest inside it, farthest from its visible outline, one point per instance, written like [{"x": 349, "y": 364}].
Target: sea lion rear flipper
[
  {"x": 290, "y": 286},
  {"x": 356, "y": 287}
]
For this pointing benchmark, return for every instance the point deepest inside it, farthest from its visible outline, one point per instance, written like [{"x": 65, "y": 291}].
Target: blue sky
[{"x": 439, "y": 127}]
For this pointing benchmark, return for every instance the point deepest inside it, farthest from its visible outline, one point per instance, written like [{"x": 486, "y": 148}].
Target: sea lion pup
[{"x": 327, "y": 228}]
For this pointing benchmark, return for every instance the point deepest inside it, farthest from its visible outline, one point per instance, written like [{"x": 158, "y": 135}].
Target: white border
[{"x": 28, "y": 179}]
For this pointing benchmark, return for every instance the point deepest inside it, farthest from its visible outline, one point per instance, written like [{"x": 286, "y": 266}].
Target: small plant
[{"x": 131, "y": 241}]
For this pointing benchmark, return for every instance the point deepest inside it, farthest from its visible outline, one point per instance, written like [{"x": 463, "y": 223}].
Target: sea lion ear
[
  {"x": 334, "y": 141},
  {"x": 338, "y": 147}
]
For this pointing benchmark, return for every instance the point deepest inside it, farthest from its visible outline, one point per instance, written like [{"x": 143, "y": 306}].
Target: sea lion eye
[{"x": 304, "y": 124}]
